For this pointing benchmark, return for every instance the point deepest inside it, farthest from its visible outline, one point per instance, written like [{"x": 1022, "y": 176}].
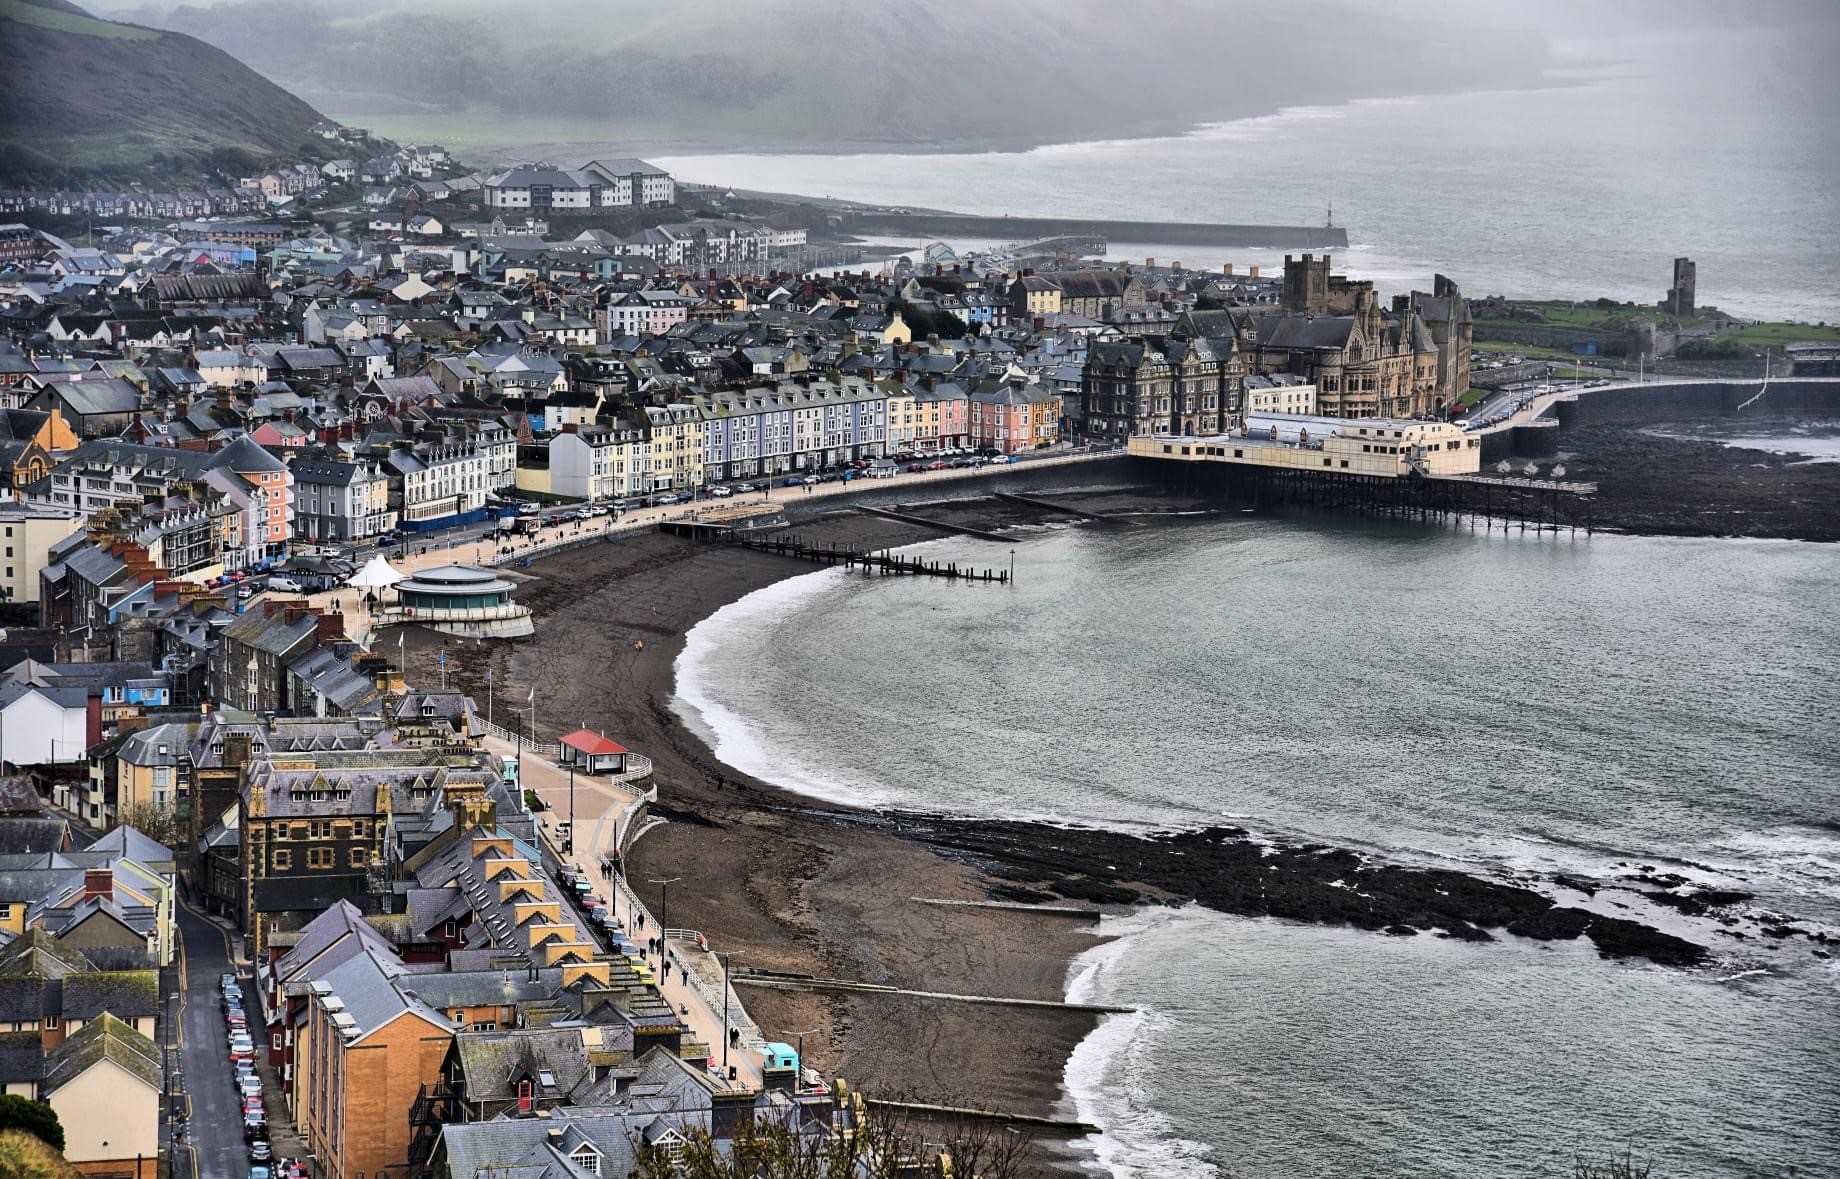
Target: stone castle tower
[
  {"x": 1681, "y": 297},
  {"x": 1306, "y": 285}
]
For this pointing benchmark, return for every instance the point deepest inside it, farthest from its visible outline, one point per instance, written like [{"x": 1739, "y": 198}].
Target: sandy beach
[{"x": 789, "y": 884}]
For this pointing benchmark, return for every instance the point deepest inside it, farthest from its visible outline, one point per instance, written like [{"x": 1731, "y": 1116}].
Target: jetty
[{"x": 883, "y": 563}]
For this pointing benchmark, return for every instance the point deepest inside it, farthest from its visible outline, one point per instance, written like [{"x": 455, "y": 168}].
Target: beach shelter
[
  {"x": 589, "y": 751},
  {"x": 377, "y": 575}
]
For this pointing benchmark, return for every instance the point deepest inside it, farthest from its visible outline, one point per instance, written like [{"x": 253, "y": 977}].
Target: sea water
[
  {"x": 1673, "y": 143},
  {"x": 1433, "y": 695}
]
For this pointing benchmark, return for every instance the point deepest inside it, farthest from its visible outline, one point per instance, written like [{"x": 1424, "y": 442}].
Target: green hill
[{"x": 85, "y": 101}]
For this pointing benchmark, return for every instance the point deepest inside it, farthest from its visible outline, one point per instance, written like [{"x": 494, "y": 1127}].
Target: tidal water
[
  {"x": 1714, "y": 146},
  {"x": 1434, "y": 695}
]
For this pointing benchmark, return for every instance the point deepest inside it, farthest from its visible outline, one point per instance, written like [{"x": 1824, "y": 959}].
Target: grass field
[
  {"x": 1530, "y": 351},
  {"x": 71, "y": 22},
  {"x": 1775, "y": 335}
]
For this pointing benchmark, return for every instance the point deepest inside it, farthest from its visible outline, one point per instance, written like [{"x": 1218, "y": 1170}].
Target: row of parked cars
[{"x": 242, "y": 1046}]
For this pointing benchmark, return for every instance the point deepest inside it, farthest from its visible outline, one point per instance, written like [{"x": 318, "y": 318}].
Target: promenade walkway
[{"x": 602, "y": 809}]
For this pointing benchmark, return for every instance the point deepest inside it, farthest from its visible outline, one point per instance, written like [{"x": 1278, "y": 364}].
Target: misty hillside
[
  {"x": 818, "y": 72},
  {"x": 87, "y": 101}
]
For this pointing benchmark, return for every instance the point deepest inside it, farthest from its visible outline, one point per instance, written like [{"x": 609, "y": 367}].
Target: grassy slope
[{"x": 89, "y": 92}]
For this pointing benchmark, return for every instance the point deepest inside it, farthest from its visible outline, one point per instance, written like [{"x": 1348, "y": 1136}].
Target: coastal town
[{"x": 304, "y": 875}]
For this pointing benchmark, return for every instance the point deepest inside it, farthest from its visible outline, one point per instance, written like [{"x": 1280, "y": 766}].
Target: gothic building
[
  {"x": 1364, "y": 361},
  {"x": 1160, "y": 385}
]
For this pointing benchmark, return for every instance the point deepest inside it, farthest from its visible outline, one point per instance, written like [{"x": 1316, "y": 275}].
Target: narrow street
[{"x": 215, "y": 1135}]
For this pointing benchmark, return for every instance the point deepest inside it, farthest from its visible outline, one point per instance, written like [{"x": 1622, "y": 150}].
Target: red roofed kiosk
[{"x": 591, "y": 753}]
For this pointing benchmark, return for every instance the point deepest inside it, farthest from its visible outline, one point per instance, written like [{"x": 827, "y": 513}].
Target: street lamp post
[
  {"x": 664, "y": 909},
  {"x": 728, "y": 957}
]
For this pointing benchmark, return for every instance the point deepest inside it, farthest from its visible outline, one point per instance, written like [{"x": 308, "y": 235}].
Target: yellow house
[
  {"x": 1033, "y": 295},
  {"x": 897, "y": 331},
  {"x": 31, "y": 442}
]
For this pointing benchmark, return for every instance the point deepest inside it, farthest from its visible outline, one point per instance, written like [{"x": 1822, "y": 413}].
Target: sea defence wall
[
  {"x": 1173, "y": 233},
  {"x": 1668, "y": 400},
  {"x": 1662, "y": 401}
]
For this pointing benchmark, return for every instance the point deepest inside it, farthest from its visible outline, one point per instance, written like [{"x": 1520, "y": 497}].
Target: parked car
[
  {"x": 251, "y": 1086},
  {"x": 261, "y": 1152},
  {"x": 254, "y": 1128},
  {"x": 667, "y": 499},
  {"x": 746, "y": 488},
  {"x": 286, "y": 585},
  {"x": 227, "y": 983},
  {"x": 936, "y": 465},
  {"x": 794, "y": 481},
  {"x": 721, "y": 492}
]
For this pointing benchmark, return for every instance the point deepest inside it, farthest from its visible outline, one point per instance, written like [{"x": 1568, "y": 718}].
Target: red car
[{"x": 936, "y": 465}]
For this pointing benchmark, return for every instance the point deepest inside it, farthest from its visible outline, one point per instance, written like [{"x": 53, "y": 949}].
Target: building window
[
  {"x": 587, "y": 1158},
  {"x": 284, "y": 860},
  {"x": 359, "y": 857},
  {"x": 523, "y": 1097},
  {"x": 52, "y": 1022},
  {"x": 319, "y": 857}
]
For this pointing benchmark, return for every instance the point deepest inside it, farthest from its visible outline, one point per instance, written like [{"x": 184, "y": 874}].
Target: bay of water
[
  {"x": 1711, "y": 146},
  {"x": 1437, "y": 695}
]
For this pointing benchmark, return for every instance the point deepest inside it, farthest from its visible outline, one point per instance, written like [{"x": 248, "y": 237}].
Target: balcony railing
[{"x": 391, "y": 615}]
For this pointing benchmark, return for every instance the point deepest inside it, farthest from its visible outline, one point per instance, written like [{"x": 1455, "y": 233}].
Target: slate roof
[
  {"x": 1321, "y": 332},
  {"x": 22, "y": 1057},
  {"x": 104, "y": 1037},
  {"x": 128, "y": 994}
]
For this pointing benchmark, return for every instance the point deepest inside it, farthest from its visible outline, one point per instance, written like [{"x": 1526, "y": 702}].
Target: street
[{"x": 216, "y": 1130}]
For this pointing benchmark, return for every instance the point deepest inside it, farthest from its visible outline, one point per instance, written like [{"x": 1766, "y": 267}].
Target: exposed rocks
[{"x": 1222, "y": 868}]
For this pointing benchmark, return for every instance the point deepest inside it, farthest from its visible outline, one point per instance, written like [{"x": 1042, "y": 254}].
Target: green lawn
[
  {"x": 1529, "y": 351},
  {"x": 71, "y": 22},
  {"x": 1775, "y": 335}
]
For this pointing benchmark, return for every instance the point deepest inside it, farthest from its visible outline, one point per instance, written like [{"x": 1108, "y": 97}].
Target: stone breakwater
[{"x": 1169, "y": 233}]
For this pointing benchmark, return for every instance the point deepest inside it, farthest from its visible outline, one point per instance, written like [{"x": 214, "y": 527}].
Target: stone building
[
  {"x": 1363, "y": 360},
  {"x": 1160, "y": 385},
  {"x": 1681, "y": 297}
]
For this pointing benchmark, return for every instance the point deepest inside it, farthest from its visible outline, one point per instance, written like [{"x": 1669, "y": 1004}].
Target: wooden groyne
[
  {"x": 966, "y": 1113},
  {"x": 925, "y": 522},
  {"x": 883, "y": 563},
  {"x": 1029, "y": 501},
  {"x": 783, "y": 981},
  {"x": 1015, "y": 907}
]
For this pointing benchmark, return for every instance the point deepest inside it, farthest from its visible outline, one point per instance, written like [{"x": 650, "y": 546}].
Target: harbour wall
[
  {"x": 1662, "y": 401},
  {"x": 1173, "y": 233}
]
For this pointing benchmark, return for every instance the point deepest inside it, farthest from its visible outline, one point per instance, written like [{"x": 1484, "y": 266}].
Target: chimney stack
[
  {"x": 1226, "y": 268},
  {"x": 98, "y": 884},
  {"x": 1253, "y": 271}
]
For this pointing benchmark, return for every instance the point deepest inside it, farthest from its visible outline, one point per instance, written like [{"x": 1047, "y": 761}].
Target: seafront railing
[
  {"x": 541, "y": 748},
  {"x": 738, "y": 1018}
]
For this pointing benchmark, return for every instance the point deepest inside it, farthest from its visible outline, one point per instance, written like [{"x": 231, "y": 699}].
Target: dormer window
[{"x": 587, "y": 1158}]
